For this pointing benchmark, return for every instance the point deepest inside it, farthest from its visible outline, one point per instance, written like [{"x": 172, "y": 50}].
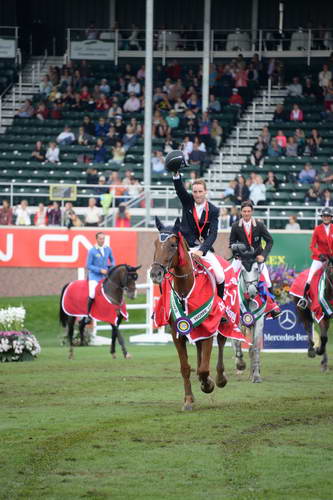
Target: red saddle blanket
[
  {"x": 200, "y": 293},
  {"x": 75, "y": 299},
  {"x": 297, "y": 289}
]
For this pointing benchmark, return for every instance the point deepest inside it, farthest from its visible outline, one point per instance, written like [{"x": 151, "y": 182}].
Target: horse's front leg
[
  {"x": 321, "y": 350},
  {"x": 185, "y": 369},
  {"x": 239, "y": 359},
  {"x": 116, "y": 335},
  {"x": 221, "y": 379},
  {"x": 255, "y": 350},
  {"x": 81, "y": 330},
  {"x": 323, "y": 325},
  {"x": 207, "y": 383},
  {"x": 70, "y": 333}
]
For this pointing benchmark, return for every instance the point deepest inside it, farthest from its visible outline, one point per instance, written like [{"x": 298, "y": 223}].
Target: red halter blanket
[
  {"x": 75, "y": 298},
  {"x": 202, "y": 291}
]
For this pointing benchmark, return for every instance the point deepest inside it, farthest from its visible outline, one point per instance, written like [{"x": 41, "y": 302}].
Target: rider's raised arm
[
  {"x": 185, "y": 197},
  {"x": 268, "y": 239},
  {"x": 212, "y": 234}
]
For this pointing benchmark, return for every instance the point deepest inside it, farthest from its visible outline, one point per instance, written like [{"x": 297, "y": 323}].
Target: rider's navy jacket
[
  {"x": 188, "y": 226},
  {"x": 259, "y": 232},
  {"x": 97, "y": 261}
]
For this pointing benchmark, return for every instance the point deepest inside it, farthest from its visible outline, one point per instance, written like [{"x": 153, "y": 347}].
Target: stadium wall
[{"x": 40, "y": 261}]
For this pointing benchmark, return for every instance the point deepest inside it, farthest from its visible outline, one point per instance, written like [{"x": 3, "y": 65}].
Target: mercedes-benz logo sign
[{"x": 287, "y": 319}]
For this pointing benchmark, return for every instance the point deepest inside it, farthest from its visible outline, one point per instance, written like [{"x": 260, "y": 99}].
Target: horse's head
[
  {"x": 251, "y": 270},
  {"x": 166, "y": 254},
  {"x": 124, "y": 278}
]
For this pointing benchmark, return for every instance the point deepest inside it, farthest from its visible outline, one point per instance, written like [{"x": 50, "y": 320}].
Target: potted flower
[{"x": 16, "y": 343}]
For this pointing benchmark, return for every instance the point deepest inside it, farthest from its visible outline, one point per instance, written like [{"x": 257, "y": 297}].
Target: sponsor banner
[
  {"x": 285, "y": 332},
  {"x": 93, "y": 50},
  {"x": 62, "y": 247},
  {"x": 7, "y": 48},
  {"x": 292, "y": 250}
]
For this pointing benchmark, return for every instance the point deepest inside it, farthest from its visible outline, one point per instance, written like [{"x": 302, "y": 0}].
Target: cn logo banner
[
  {"x": 61, "y": 248},
  {"x": 285, "y": 332}
]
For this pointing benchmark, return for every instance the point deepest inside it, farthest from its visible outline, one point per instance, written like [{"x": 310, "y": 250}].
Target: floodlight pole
[
  {"x": 206, "y": 54},
  {"x": 148, "y": 104}
]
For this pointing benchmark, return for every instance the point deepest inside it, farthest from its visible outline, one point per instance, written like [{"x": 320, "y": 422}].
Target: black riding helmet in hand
[{"x": 175, "y": 161}]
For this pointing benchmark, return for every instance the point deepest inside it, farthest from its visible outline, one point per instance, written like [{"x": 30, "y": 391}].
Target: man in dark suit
[
  {"x": 199, "y": 223},
  {"x": 251, "y": 232}
]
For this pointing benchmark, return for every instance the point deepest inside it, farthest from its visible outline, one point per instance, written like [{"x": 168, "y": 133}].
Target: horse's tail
[{"x": 63, "y": 317}]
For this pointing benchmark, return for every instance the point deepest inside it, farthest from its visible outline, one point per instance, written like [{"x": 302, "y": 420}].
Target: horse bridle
[
  {"x": 166, "y": 269},
  {"x": 131, "y": 276}
]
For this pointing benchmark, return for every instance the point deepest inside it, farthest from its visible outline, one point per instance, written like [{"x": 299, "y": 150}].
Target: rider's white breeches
[
  {"x": 316, "y": 264},
  {"x": 214, "y": 262},
  {"x": 92, "y": 288},
  {"x": 237, "y": 264}
]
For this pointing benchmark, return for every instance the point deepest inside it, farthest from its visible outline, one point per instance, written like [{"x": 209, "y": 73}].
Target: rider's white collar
[{"x": 242, "y": 221}]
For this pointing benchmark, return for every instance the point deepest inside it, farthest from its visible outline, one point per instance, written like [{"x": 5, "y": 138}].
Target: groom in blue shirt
[{"x": 99, "y": 260}]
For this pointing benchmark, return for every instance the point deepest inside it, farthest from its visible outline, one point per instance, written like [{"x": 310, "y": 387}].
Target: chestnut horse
[
  {"x": 167, "y": 261},
  {"x": 305, "y": 316}
]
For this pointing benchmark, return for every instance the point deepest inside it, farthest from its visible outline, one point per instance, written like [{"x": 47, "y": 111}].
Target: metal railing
[{"x": 161, "y": 197}]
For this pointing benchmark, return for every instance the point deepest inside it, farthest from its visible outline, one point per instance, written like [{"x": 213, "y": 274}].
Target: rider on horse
[
  {"x": 199, "y": 217},
  {"x": 321, "y": 247},
  {"x": 250, "y": 232},
  {"x": 99, "y": 259}
]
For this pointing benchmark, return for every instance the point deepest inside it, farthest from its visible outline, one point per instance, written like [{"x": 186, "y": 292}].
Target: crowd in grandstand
[{"x": 110, "y": 128}]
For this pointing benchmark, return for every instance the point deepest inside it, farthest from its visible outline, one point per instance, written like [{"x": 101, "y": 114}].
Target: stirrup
[{"x": 302, "y": 303}]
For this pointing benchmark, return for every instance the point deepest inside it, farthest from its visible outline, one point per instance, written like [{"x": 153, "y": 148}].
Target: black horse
[
  {"x": 305, "y": 317},
  {"x": 118, "y": 280}
]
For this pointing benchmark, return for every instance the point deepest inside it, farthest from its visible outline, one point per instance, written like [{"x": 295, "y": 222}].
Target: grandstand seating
[{"x": 18, "y": 142}]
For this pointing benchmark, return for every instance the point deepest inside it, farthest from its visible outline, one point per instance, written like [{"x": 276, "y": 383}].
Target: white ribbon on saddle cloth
[
  {"x": 75, "y": 299},
  {"x": 197, "y": 303},
  {"x": 318, "y": 303}
]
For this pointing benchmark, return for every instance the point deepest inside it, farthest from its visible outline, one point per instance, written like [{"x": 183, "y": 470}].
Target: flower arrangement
[
  {"x": 16, "y": 343},
  {"x": 282, "y": 278}
]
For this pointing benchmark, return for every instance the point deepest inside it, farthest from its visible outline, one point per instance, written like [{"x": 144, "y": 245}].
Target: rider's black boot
[
  {"x": 89, "y": 304},
  {"x": 220, "y": 290},
  {"x": 220, "y": 293}
]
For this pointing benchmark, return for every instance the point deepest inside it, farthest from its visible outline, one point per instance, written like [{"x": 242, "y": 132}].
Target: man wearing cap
[
  {"x": 321, "y": 247},
  {"x": 236, "y": 99},
  {"x": 199, "y": 223}
]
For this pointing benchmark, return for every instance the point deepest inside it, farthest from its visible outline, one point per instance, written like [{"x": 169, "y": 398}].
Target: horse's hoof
[
  {"x": 240, "y": 365},
  {"x": 207, "y": 387},
  {"x": 256, "y": 379},
  {"x": 324, "y": 368},
  {"x": 128, "y": 356},
  {"x": 311, "y": 353},
  {"x": 113, "y": 355},
  {"x": 187, "y": 407},
  {"x": 221, "y": 383}
]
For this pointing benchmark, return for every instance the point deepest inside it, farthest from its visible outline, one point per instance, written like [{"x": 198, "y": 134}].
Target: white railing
[{"x": 223, "y": 43}]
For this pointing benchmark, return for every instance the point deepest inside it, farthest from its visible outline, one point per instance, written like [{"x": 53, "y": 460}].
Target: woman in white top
[
  {"x": 258, "y": 191},
  {"x": 52, "y": 153},
  {"x": 22, "y": 213},
  {"x": 293, "y": 224}
]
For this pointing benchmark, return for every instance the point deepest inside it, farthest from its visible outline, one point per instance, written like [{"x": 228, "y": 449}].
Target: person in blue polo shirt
[{"x": 99, "y": 260}]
